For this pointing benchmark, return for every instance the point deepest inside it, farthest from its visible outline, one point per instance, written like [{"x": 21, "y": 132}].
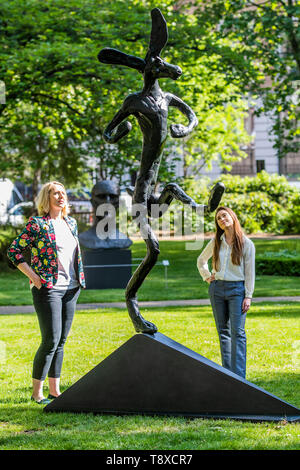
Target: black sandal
[
  {"x": 51, "y": 397},
  {"x": 43, "y": 401}
]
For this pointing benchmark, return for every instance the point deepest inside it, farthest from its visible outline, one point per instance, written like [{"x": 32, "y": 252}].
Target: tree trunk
[{"x": 36, "y": 183}]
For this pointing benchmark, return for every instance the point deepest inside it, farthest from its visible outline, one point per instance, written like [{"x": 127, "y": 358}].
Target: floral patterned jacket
[{"x": 39, "y": 235}]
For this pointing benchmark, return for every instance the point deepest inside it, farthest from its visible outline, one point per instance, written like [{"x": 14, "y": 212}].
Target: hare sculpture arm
[
  {"x": 178, "y": 130},
  {"x": 122, "y": 128}
]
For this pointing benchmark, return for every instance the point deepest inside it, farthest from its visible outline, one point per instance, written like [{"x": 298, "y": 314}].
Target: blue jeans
[
  {"x": 226, "y": 299},
  {"x": 55, "y": 311}
]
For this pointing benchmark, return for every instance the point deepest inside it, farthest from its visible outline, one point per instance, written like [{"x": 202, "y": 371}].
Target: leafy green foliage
[
  {"x": 264, "y": 203},
  {"x": 60, "y": 98},
  {"x": 7, "y": 235},
  {"x": 263, "y": 57}
]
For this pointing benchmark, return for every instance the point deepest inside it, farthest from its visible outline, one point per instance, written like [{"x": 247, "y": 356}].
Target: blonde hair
[{"x": 43, "y": 199}]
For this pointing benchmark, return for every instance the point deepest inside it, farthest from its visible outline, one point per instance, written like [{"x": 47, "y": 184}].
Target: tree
[
  {"x": 264, "y": 56},
  {"x": 40, "y": 143},
  {"x": 48, "y": 61}
]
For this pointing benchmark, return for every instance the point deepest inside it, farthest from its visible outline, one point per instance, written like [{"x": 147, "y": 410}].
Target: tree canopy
[
  {"x": 264, "y": 57},
  {"x": 59, "y": 98}
]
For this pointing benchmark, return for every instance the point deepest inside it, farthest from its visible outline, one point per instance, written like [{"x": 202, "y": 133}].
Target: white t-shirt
[{"x": 66, "y": 246}]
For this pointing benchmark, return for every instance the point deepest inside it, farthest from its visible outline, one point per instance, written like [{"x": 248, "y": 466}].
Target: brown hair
[
  {"x": 42, "y": 200},
  {"x": 237, "y": 243}
]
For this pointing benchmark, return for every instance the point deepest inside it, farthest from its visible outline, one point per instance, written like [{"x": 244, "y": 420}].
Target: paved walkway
[{"x": 10, "y": 310}]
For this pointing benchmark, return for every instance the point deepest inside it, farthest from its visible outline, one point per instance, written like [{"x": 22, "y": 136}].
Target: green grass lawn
[
  {"x": 273, "y": 364},
  {"x": 183, "y": 280}
]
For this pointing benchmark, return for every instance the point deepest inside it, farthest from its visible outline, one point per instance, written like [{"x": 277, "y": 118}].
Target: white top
[
  {"x": 228, "y": 271},
  {"x": 66, "y": 246}
]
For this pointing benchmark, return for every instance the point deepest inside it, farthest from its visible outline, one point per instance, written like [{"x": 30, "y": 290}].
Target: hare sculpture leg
[
  {"x": 170, "y": 192},
  {"x": 174, "y": 191},
  {"x": 140, "y": 324}
]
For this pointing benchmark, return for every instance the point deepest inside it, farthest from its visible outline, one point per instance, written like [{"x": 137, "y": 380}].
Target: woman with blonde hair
[
  {"x": 55, "y": 276},
  {"x": 231, "y": 285}
]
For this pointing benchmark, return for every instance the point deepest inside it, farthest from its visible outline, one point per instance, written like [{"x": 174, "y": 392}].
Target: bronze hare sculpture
[{"x": 150, "y": 107}]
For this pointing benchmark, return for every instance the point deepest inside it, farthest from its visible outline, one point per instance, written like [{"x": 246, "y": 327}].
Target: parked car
[{"x": 9, "y": 196}]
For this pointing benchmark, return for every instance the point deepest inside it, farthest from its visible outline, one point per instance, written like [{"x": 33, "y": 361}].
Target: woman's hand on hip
[
  {"x": 37, "y": 281},
  {"x": 246, "y": 304},
  {"x": 210, "y": 279},
  {"x": 31, "y": 274}
]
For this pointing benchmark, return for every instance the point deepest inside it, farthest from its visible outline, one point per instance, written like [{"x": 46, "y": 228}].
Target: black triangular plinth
[{"x": 154, "y": 375}]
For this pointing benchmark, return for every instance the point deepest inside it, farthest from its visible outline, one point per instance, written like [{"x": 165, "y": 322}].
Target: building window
[{"x": 260, "y": 165}]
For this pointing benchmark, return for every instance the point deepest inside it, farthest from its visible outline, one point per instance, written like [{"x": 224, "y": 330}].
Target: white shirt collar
[{"x": 223, "y": 239}]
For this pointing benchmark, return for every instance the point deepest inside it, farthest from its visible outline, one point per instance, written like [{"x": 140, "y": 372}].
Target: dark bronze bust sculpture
[
  {"x": 104, "y": 233},
  {"x": 150, "y": 107}
]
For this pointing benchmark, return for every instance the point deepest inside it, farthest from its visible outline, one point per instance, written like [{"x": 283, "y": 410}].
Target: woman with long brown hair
[{"x": 231, "y": 285}]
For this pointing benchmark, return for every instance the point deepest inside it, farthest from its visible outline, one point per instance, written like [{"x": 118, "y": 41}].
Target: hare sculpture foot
[
  {"x": 215, "y": 197},
  {"x": 140, "y": 324}
]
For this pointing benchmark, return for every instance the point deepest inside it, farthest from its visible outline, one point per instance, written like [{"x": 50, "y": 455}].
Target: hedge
[
  {"x": 7, "y": 235},
  {"x": 282, "y": 263},
  {"x": 264, "y": 203}
]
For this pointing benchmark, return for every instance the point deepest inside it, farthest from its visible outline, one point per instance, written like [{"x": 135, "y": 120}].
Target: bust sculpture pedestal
[{"x": 107, "y": 268}]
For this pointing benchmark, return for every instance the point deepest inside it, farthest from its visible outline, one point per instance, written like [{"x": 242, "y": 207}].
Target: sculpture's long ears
[
  {"x": 113, "y": 56},
  {"x": 159, "y": 33}
]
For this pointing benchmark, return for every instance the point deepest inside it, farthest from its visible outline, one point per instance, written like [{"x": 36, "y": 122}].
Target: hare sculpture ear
[
  {"x": 159, "y": 33},
  {"x": 113, "y": 56}
]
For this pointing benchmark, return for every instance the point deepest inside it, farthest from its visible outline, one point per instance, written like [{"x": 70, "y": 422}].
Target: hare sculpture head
[{"x": 153, "y": 66}]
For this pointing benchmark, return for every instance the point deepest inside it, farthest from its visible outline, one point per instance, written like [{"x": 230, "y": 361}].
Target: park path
[{"x": 11, "y": 310}]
